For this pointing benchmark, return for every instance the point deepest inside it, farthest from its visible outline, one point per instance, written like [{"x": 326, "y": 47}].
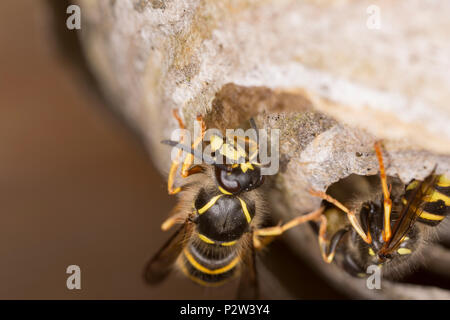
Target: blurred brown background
[{"x": 77, "y": 185}]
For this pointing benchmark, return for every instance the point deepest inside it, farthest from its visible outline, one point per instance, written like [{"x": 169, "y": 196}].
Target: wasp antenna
[
  {"x": 195, "y": 153},
  {"x": 434, "y": 169},
  {"x": 253, "y": 123},
  {"x": 170, "y": 142},
  {"x": 180, "y": 146},
  {"x": 254, "y": 127}
]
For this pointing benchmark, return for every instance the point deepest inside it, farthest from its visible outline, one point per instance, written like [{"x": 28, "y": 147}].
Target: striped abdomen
[
  {"x": 436, "y": 199},
  {"x": 209, "y": 264}
]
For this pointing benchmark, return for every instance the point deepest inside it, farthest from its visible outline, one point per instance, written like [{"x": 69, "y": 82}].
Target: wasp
[
  {"x": 221, "y": 211},
  {"x": 394, "y": 222}
]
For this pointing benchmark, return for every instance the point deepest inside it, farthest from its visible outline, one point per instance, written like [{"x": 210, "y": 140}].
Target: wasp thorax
[{"x": 221, "y": 217}]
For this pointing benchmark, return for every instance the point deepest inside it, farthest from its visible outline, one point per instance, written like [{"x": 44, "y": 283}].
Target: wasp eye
[{"x": 226, "y": 181}]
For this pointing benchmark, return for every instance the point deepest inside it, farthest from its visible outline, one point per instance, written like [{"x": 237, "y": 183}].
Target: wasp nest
[{"x": 319, "y": 71}]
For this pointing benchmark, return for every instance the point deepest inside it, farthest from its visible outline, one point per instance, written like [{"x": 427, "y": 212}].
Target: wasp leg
[
  {"x": 278, "y": 230},
  {"x": 386, "y": 195},
  {"x": 352, "y": 267},
  {"x": 173, "y": 220},
  {"x": 178, "y": 216},
  {"x": 170, "y": 180},
  {"x": 185, "y": 171},
  {"x": 350, "y": 214},
  {"x": 176, "y": 162},
  {"x": 328, "y": 248}
]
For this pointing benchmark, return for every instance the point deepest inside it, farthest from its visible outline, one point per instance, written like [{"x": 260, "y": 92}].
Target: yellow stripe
[
  {"x": 361, "y": 275},
  {"x": 200, "y": 281},
  {"x": 209, "y": 204},
  {"x": 435, "y": 196},
  {"x": 443, "y": 181},
  {"x": 205, "y": 239},
  {"x": 244, "y": 208},
  {"x": 403, "y": 251},
  {"x": 227, "y": 244},
  {"x": 224, "y": 191},
  {"x": 403, "y": 239},
  {"x": 430, "y": 216},
  {"x": 201, "y": 268},
  {"x": 245, "y": 166},
  {"x": 412, "y": 185},
  {"x": 209, "y": 241},
  {"x": 371, "y": 252}
]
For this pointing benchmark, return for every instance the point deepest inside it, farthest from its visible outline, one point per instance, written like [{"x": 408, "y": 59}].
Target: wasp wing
[
  {"x": 248, "y": 284},
  {"x": 159, "y": 267},
  {"x": 409, "y": 214}
]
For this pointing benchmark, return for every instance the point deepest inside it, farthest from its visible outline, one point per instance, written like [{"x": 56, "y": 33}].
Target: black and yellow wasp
[
  {"x": 395, "y": 221},
  {"x": 221, "y": 210}
]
